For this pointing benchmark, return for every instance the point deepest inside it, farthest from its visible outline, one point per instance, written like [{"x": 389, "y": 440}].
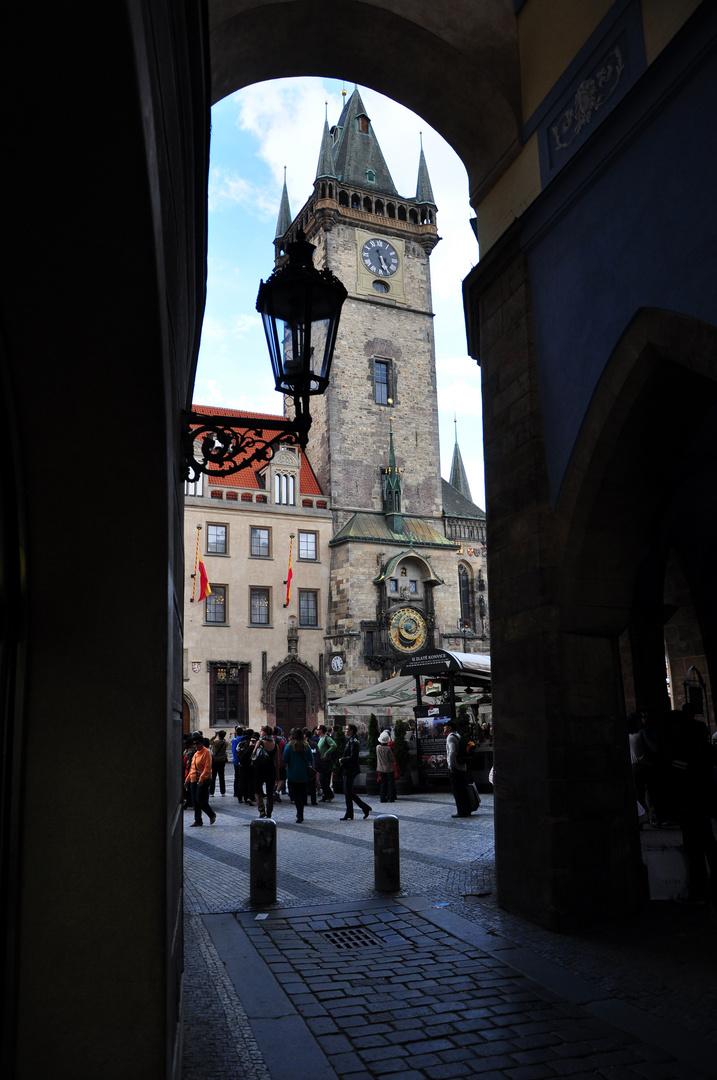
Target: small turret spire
[
  {"x": 327, "y": 165},
  {"x": 284, "y": 220},
  {"x": 424, "y": 191},
  {"x": 459, "y": 479},
  {"x": 392, "y": 488}
]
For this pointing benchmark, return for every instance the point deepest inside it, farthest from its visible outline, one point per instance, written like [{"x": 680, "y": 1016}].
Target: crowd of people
[
  {"x": 675, "y": 778},
  {"x": 269, "y": 768}
]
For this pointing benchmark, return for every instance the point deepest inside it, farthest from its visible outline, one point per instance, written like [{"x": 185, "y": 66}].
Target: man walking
[
  {"x": 327, "y": 751},
  {"x": 457, "y": 770},
  {"x": 200, "y": 777}
]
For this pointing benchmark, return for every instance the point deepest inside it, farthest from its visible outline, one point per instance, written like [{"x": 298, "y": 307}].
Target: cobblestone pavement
[{"x": 434, "y": 982}]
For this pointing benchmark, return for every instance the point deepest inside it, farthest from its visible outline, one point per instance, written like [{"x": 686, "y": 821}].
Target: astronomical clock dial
[
  {"x": 337, "y": 663},
  {"x": 407, "y": 630},
  {"x": 380, "y": 257}
]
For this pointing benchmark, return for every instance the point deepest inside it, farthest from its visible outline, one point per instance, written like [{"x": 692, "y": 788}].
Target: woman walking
[{"x": 298, "y": 760}]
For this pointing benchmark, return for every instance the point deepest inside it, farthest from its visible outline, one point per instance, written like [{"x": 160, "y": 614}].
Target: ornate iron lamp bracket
[{"x": 226, "y": 449}]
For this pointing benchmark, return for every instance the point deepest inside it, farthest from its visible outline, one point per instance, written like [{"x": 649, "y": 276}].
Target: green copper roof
[
  {"x": 373, "y": 528},
  {"x": 357, "y": 155},
  {"x": 284, "y": 221}
]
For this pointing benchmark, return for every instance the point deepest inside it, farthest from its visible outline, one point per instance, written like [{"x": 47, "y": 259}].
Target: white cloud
[
  {"x": 245, "y": 324},
  {"x": 227, "y": 189}
]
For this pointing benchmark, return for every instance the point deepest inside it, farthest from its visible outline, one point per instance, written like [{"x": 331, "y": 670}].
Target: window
[
  {"x": 392, "y": 585},
  {"x": 194, "y": 487},
  {"x": 308, "y": 607},
  {"x": 260, "y": 547},
  {"x": 259, "y": 607},
  {"x": 285, "y": 489},
  {"x": 413, "y": 587},
  {"x": 216, "y": 606},
  {"x": 370, "y": 176},
  {"x": 228, "y": 695},
  {"x": 217, "y": 539},
  {"x": 307, "y": 545},
  {"x": 464, "y": 593},
  {"x": 381, "y": 376}
]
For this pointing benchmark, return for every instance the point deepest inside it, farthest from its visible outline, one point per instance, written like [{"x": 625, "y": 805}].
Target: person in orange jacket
[{"x": 200, "y": 777}]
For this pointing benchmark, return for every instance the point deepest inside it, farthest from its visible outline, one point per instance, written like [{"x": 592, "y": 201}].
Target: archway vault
[{"x": 476, "y": 47}]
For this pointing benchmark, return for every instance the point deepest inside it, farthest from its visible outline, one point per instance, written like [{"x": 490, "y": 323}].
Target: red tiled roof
[{"x": 247, "y": 478}]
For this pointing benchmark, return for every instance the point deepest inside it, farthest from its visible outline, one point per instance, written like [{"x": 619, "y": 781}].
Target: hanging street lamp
[{"x": 300, "y": 308}]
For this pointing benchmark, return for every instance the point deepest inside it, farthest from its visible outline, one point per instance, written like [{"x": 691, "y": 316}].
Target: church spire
[
  {"x": 284, "y": 220},
  {"x": 326, "y": 166},
  {"x": 424, "y": 191},
  {"x": 392, "y": 488},
  {"x": 458, "y": 479}
]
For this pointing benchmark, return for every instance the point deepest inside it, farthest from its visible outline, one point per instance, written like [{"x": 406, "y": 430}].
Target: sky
[{"x": 255, "y": 133}]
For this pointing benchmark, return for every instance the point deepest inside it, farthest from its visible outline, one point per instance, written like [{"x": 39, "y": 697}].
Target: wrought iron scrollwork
[{"x": 226, "y": 449}]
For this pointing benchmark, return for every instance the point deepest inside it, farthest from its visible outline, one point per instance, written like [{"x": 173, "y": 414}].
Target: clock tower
[
  {"x": 378, "y": 244},
  {"x": 374, "y": 439}
]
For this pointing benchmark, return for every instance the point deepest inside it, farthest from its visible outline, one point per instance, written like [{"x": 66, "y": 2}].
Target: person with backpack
[
  {"x": 264, "y": 765},
  {"x": 457, "y": 769},
  {"x": 327, "y": 756}
]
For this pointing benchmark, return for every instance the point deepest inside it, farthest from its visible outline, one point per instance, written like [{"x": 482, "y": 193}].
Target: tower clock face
[
  {"x": 380, "y": 257},
  {"x": 407, "y": 630}
]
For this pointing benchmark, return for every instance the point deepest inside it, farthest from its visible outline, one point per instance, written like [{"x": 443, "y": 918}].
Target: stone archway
[{"x": 434, "y": 60}]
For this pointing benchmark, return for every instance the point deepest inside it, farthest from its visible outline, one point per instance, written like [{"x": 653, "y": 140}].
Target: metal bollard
[
  {"x": 386, "y": 853},
  {"x": 262, "y": 861}
]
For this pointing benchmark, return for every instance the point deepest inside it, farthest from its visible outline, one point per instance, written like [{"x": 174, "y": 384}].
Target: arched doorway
[{"x": 290, "y": 705}]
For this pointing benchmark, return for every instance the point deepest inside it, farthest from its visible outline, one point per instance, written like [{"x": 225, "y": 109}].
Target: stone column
[{"x": 566, "y": 834}]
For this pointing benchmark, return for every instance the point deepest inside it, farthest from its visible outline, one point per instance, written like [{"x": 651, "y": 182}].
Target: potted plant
[
  {"x": 337, "y": 779},
  {"x": 372, "y": 785},
  {"x": 402, "y": 752}
]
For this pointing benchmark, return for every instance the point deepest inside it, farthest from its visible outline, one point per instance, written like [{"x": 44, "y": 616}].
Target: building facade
[{"x": 254, "y": 648}]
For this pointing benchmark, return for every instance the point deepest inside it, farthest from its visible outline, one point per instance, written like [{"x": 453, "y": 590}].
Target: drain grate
[{"x": 353, "y": 937}]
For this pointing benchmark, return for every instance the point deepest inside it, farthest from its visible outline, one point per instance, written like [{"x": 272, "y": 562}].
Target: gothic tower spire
[
  {"x": 284, "y": 221},
  {"x": 458, "y": 479},
  {"x": 326, "y": 166},
  {"x": 424, "y": 191},
  {"x": 357, "y": 154}
]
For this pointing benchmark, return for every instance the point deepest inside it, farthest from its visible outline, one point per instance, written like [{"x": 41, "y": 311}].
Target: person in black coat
[{"x": 350, "y": 769}]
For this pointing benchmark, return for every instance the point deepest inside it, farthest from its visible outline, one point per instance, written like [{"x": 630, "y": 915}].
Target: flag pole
[
  {"x": 290, "y": 573},
  {"x": 196, "y": 560}
]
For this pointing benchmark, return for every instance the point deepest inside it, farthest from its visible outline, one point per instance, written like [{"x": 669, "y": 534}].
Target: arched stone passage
[
  {"x": 638, "y": 451},
  {"x": 476, "y": 47}
]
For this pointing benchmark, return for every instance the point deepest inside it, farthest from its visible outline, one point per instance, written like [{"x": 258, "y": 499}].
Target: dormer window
[
  {"x": 362, "y": 123},
  {"x": 335, "y": 133},
  {"x": 370, "y": 176}
]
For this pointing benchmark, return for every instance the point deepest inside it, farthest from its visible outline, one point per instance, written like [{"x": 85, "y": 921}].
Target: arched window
[
  {"x": 355, "y": 202},
  {"x": 277, "y": 488},
  {"x": 413, "y": 216},
  {"x": 378, "y": 207},
  {"x": 390, "y": 210},
  {"x": 464, "y": 595},
  {"x": 402, "y": 213},
  {"x": 331, "y": 191},
  {"x": 367, "y": 205},
  {"x": 370, "y": 176},
  {"x": 343, "y": 198},
  {"x": 362, "y": 123}
]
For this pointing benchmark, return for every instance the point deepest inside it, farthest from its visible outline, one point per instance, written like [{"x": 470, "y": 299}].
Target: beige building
[{"x": 249, "y": 657}]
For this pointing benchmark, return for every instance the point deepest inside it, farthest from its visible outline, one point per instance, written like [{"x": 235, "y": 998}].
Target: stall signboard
[{"x": 431, "y": 745}]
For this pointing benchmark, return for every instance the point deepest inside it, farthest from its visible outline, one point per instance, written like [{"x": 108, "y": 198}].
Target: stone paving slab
[{"x": 449, "y": 987}]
